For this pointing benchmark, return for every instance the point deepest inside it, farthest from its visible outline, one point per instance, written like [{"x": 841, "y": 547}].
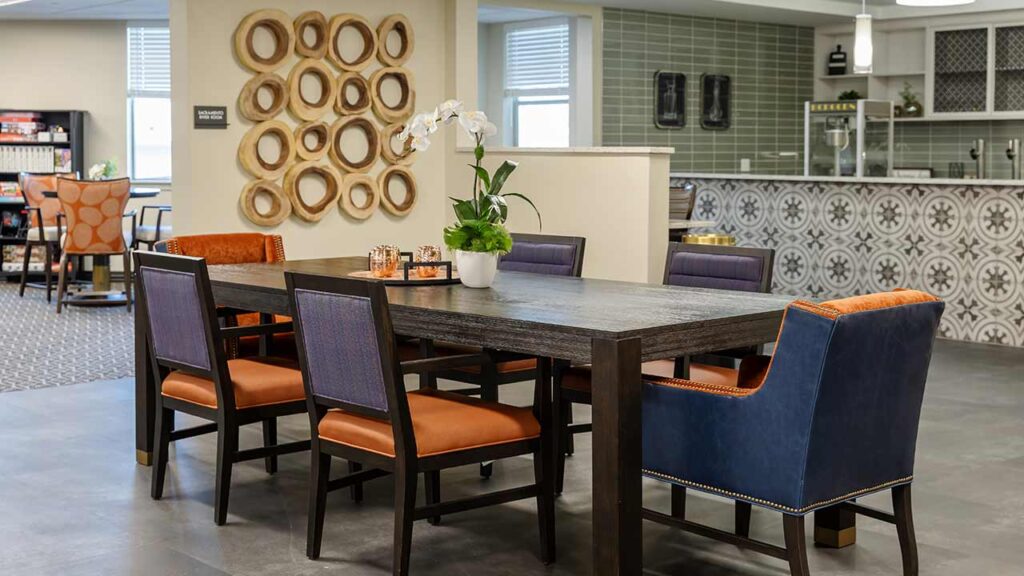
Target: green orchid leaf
[
  {"x": 540, "y": 222},
  {"x": 482, "y": 174},
  {"x": 501, "y": 175},
  {"x": 497, "y": 207},
  {"x": 465, "y": 210}
]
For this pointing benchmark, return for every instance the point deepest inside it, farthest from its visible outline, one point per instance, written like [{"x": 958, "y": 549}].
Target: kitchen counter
[
  {"x": 962, "y": 240},
  {"x": 849, "y": 179}
]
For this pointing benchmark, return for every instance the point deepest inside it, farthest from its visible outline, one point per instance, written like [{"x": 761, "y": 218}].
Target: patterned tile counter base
[{"x": 962, "y": 243}]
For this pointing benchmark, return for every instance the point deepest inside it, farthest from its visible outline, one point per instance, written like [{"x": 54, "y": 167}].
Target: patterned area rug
[{"x": 39, "y": 349}]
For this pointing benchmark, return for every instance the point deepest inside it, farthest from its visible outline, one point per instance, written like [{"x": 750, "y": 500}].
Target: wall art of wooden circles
[
  {"x": 280, "y": 27},
  {"x": 332, "y": 181},
  {"x": 280, "y": 207},
  {"x": 249, "y": 154},
  {"x": 249, "y": 99},
  {"x": 320, "y": 133},
  {"x": 368, "y": 34},
  {"x": 297, "y": 103},
  {"x": 400, "y": 25},
  {"x": 404, "y": 157},
  {"x": 348, "y": 205},
  {"x": 316, "y": 23},
  {"x": 407, "y": 101},
  {"x": 342, "y": 104},
  {"x": 369, "y": 130},
  {"x": 384, "y": 186}
]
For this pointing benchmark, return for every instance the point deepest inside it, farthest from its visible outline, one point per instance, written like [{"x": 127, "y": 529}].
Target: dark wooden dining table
[{"x": 612, "y": 325}]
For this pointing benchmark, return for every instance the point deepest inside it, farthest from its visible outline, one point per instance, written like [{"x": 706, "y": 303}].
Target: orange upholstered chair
[
  {"x": 94, "y": 211},
  {"x": 238, "y": 248},
  {"x": 44, "y": 226}
]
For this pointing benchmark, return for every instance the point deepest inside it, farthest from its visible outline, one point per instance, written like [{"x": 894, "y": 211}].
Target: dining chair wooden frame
[
  {"x": 225, "y": 419},
  {"x": 50, "y": 245},
  {"x": 406, "y": 465}
]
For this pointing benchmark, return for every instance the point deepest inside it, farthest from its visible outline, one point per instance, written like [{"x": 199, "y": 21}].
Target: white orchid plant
[
  {"x": 480, "y": 226},
  {"x": 103, "y": 170}
]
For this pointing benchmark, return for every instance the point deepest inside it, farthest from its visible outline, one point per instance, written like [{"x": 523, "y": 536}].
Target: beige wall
[
  {"x": 71, "y": 65},
  {"x": 207, "y": 175}
]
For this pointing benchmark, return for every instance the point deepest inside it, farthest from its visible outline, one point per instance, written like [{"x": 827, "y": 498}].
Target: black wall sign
[
  {"x": 669, "y": 100},
  {"x": 211, "y": 117}
]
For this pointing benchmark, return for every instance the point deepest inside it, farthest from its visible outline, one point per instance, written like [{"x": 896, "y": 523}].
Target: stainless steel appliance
[
  {"x": 978, "y": 155},
  {"x": 848, "y": 138},
  {"x": 1013, "y": 154}
]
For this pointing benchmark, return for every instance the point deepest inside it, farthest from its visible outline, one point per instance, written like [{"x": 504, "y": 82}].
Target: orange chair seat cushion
[
  {"x": 578, "y": 378},
  {"x": 239, "y": 248},
  {"x": 442, "y": 422},
  {"x": 256, "y": 383}
]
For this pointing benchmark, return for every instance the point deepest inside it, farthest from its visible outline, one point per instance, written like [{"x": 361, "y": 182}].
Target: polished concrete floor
[{"x": 73, "y": 501}]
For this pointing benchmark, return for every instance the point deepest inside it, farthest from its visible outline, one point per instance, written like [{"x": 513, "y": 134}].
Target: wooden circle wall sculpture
[
  {"x": 342, "y": 105},
  {"x": 297, "y": 103},
  {"x": 321, "y": 133},
  {"x": 348, "y": 205},
  {"x": 368, "y": 129},
  {"x": 280, "y": 207},
  {"x": 384, "y": 186},
  {"x": 249, "y": 153},
  {"x": 401, "y": 111},
  {"x": 387, "y": 149},
  {"x": 332, "y": 181},
  {"x": 400, "y": 25},
  {"x": 315, "y": 22},
  {"x": 280, "y": 27},
  {"x": 369, "y": 36},
  {"x": 249, "y": 100}
]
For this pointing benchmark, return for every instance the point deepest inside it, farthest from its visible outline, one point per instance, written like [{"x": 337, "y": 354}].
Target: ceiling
[{"x": 86, "y": 10}]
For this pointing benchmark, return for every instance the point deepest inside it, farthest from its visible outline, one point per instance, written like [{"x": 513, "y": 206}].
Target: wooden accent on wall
[
  {"x": 404, "y": 157},
  {"x": 348, "y": 206},
  {"x": 369, "y": 130},
  {"x": 304, "y": 109},
  {"x": 369, "y": 36},
  {"x": 384, "y": 185},
  {"x": 249, "y": 155},
  {"x": 280, "y": 207},
  {"x": 319, "y": 130},
  {"x": 249, "y": 103},
  {"x": 407, "y": 101},
  {"x": 332, "y": 182},
  {"x": 400, "y": 25},
  {"x": 363, "y": 101},
  {"x": 316, "y": 22},
  {"x": 280, "y": 27}
]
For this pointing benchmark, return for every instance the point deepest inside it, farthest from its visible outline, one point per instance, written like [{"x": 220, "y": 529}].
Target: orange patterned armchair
[{"x": 44, "y": 228}]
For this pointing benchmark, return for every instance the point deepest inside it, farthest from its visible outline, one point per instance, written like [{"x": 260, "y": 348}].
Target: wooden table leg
[
  {"x": 618, "y": 537},
  {"x": 835, "y": 527},
  {"x": 145, "y": 402}
]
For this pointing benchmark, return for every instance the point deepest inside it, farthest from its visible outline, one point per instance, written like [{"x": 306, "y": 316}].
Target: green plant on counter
[
  {"x": 850, "y": 95},
  {"x": 911, "y": 106}
]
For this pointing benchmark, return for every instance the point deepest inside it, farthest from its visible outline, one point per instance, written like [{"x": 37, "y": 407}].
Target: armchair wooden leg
[
  {"x": 432, "y": 486},
  {"x": 48, "y": 271},
  {"x": 227, "y": 446},
  {"x": 905, "y": 528},
  {"x": 319, "y": 471},
  {"x": 128, "y": 280},
  {"x": 742, "y": 519},
  {"x": 835, "y": 527},
  {"x": 62, "y": 280},
  {"x": 796, "y": 544},
  {"x": 405, "y": 507},
  {"x": 24, "y": 269},
  {"x": 356, "y": 490},
  {"x": 679, "y": 502},
  {"x": 270, "y": 439},
  {"x": 163, "y": 426}
]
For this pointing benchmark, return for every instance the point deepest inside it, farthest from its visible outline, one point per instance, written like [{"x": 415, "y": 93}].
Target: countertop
[{"x": 849, "y": 179}]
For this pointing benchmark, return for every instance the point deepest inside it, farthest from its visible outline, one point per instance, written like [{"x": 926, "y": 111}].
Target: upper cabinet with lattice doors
[{"x": 976, "y": 71}]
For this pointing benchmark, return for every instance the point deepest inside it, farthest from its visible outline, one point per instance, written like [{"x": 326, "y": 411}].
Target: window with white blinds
[
  {"x": 149, "y": 62},
  {"x": 537, "y": 58}
]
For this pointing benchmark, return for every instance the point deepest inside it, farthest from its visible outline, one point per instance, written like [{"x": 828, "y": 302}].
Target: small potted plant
[
  {"x": 478, "y": 236},
  {"x": 103, "y": 170}
]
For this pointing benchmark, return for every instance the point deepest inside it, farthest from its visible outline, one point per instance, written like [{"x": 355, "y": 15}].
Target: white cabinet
[{"x": 975, "y": 72}]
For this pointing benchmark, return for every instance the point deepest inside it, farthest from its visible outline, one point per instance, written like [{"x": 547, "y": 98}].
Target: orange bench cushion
[
  {"x": 256, "y": 383},
  {"x": 442, "y": 422}
]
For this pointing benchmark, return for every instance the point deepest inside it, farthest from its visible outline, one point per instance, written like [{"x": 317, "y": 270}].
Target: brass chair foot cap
[{"x": 830, "y": 538}]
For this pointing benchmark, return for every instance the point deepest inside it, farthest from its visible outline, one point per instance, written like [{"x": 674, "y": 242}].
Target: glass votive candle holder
[
  {"x": 384, "y": 261},
  {"x": 428, "y": 254}
]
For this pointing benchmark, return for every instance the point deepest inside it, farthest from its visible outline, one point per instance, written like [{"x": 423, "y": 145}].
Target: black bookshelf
[{"x": 13, "y": 220}]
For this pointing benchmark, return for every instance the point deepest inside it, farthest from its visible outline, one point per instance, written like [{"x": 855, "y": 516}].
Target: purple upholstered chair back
[
  {"x": 719, "y": 267},
  {"x": 342, "y": 355},
  {"x": 553, "y": 255},
  {"x": 175, "y": 312}
]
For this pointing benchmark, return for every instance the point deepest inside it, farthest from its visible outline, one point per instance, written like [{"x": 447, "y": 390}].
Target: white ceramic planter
[{"x": 476, "y": 269}]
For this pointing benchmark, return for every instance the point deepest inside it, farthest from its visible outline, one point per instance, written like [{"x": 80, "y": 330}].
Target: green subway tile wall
[
  {"x": 937, "y": 144},
  {"x": 772, "y": 71}
]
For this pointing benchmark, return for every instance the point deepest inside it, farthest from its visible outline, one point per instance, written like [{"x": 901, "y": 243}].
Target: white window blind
[
  {"x": 537, "y": 59},
  {"x": 149, "y": 62}
]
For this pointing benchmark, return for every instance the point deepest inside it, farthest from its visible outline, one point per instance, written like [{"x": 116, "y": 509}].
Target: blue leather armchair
[{"x": 834, "y": 418}]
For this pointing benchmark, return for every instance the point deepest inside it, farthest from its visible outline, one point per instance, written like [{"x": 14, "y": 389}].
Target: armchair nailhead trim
[
  {"x": 699, "y": 386},
  {"x": 815, "y": 309},
  {"x": 808, "y": 508},
  {"x": 172, "y": 247},
  {"x": 278, "y": 249}
]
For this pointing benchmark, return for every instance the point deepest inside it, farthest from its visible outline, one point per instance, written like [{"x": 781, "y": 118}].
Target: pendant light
[{"x": 863, "y": 48}]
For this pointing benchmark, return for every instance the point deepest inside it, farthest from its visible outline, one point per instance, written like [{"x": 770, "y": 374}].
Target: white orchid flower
[
  {"x": 420, "y": 143},
  {"x": 474, "y": 122},
  {"x": 490, "y": 129},
  {"x": 449, "y": 110}
]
